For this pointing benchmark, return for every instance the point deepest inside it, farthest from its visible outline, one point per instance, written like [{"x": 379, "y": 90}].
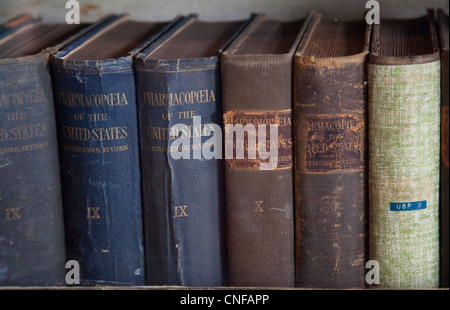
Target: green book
[{"x": 404, "y": 152}]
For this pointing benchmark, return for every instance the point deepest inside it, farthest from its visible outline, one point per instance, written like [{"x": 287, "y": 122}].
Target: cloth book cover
[
  {"x": 180, "y": 119},
  {"x": 404, "y": 152},
  {"x": 257, "y": 99},
  {"x": 32, "y": 251},
  {"x": 95, "y": 99}
]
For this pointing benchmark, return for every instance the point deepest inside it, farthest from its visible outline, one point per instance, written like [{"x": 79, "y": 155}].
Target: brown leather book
[
  {"x": 257, "y": 91},
  {"x": 444, "y": 215},
  {"x": 330, "y": 112}
]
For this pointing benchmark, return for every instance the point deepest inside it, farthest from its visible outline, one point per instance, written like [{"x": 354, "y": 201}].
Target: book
[
  {"x": 257, "y": 96},
  {"x": 404, "y": 151},
  {"x": 330, "y": 116},
  {"x": 444, "y": 174},
  {"x": 180, "y": 118},
  {"x": 95, "y": 100},
  {"x": 15, "y": 23},
  {"x": 31, "y": 213}
]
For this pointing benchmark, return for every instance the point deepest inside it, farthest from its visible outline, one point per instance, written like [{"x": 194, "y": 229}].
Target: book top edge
[
  {"x": 238, "y": 50},
  {"x": 405, "y": 41}
]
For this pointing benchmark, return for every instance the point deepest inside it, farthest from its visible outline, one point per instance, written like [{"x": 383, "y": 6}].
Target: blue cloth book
[
  {"x": 94, "y": 89},
  {"x": 179, "y": 97},
  {"x": 32, "y": 249}
]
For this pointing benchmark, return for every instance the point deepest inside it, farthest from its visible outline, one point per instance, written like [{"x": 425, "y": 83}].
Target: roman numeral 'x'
[{"x": 258, "y": 206}]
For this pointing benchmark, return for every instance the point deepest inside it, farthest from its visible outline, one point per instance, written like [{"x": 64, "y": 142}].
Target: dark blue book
[
  {"x": 15, "y": 23},
  {"x": 94, "y": 89},
  {"x": 179, "y": 96},
  {"x": 31, "y": 213}
]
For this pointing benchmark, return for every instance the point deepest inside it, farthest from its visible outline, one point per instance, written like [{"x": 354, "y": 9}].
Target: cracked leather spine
[{"x": 330, "y": 113}]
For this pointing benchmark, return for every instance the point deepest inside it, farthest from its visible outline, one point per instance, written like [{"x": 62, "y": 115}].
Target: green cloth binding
[{"x": 404, "y": 142}]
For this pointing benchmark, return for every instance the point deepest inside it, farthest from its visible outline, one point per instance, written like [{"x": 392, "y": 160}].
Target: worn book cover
[
  {"x": 31, "y": 213},
  {"x": 330, "y": 136},
  {"x": 404, "y": 152},
  {"x": 180, "y": 120},
  {"x": 95, "y": 100},
  {"x": 15, "y": 23},
  {"x": 257, "y": 97}
]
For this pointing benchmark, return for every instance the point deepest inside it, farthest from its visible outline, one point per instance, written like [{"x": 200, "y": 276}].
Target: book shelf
[{"x": 161, "y": 10}]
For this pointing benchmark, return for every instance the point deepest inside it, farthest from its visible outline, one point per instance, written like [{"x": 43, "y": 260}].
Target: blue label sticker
[{"x": 408, "y": 206}]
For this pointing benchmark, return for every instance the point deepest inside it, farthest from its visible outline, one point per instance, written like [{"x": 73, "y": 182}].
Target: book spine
[
  {"x": 259, "y": 202},
  {"x": 444, "y": 186},
  {"x": 31, "y": 215},
  {"x": 99, "y": 151},
  {"x": 330, "y": 102},
  {"x": 180, "y": 112},
  {"x": 404, "y": 149},
  {"x": 14, "y": 24}
]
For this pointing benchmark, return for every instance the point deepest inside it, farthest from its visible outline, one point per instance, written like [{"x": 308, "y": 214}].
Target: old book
[
  {"x": 257, "y": 96},
  {"x": 31, "y": 212},
  {"x": 330, "y": 113},
  {"x": 95, "y": 99},
  {"x": 180, "y": 120},
  {"x": 15, "y": 23},
  {"x": 444, "y": 186},
  {"x": 404, "y": 135}
]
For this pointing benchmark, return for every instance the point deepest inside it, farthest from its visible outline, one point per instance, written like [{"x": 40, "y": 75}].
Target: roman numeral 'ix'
[
  {"x": 13, "y": 213},
  {"x": 92, "y": 213}
]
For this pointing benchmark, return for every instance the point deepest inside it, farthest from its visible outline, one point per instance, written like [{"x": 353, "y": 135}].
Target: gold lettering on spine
[
  {"x": 180, "y": 211},
  {"x": 22, "y": 97},
  {"x": 251, "y": 146},
  {"x": 95, "y": 134},
  {"x": 258, "y": 208},
  {"x": 92, "y": 212},
  {"x": 181, "y": 98},
  {"x": 191, "y": 131},
  {"x": 92, "y": 100},
  {"x": 23, "y": 132},
  {"x": 13, "y": 214},
  {"x": 334, "y": 143}
]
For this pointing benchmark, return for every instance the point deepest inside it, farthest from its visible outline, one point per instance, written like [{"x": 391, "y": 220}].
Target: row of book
[{"x": 93, "y": 117}]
